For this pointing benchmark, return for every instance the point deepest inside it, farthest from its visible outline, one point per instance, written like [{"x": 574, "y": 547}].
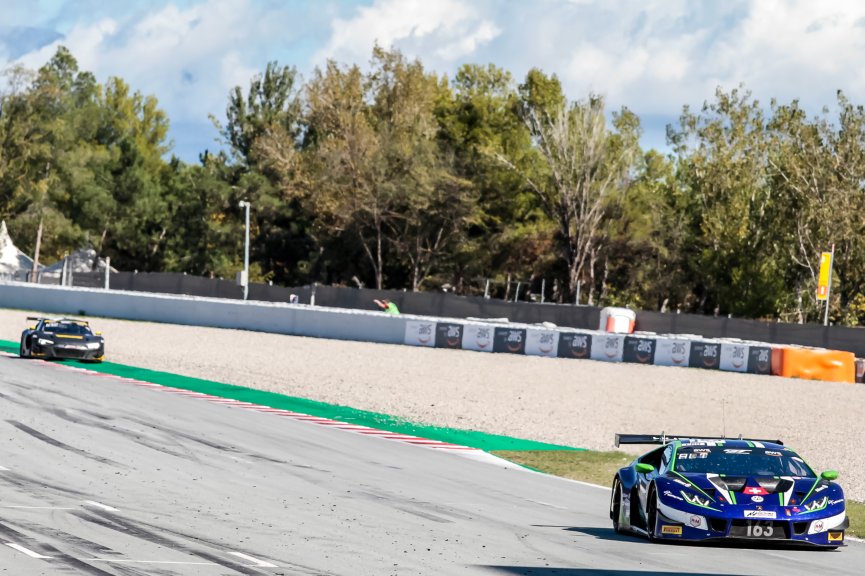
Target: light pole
[{"x": 244, "y": 278}]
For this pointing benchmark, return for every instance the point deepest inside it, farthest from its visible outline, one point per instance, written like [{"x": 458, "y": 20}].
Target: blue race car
[{"x": 722, "y": 488}]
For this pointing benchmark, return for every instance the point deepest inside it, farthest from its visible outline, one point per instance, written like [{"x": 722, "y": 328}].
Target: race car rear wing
[
  {"x": 75, "y": 320},
  {"x": 663, "y": 438}
]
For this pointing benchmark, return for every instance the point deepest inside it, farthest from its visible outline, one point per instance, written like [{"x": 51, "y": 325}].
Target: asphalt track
[{"x": 99, "y": 477}]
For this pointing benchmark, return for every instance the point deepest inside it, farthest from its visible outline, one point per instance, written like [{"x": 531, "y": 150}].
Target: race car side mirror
[
  {"x": 33, "y": 328},
  {"x": 98, "y": 333},
  {"x": 829, "y": 475},
  {"x": 643, "y": 468}
]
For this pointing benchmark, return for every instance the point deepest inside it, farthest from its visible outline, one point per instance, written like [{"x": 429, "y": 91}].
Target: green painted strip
[
  {"x": 472, "y": 438},
  {"x": 811, "y": 491}
]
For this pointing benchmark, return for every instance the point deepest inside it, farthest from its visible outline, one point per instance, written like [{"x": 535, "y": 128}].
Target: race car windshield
[
  {"x": 740, "y": 462},
  {"x": 66, "y": 328}
]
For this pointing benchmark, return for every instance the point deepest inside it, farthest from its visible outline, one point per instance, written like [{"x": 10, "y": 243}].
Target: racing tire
[
  {"x": 652, "y": 513},
  {"x": 22, "y": 350},
  {"x": 616, "y": 506}
]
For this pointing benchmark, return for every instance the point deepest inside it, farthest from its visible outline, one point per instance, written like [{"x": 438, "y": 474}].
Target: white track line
[
  {"x": 98, "y": 505},
  {"x": 123, "y": 561},
  {"x": 40, "y": 507},
  {"x": 256, "y": 562},
  {"x": 27, "y": 551}
]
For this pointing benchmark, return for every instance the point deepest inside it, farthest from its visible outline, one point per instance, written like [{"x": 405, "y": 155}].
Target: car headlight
[
  {"x": 695, "y": 499},
  {"x": 44, "y": 342},
  {"x": 818, "y": 504},
  {"x": 93, "y": 345}
]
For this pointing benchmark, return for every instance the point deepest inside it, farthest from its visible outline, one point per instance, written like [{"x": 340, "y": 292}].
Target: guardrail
[{"x": 359, "y": 325}]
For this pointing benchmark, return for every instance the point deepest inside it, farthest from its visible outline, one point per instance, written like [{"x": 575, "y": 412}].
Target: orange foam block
[{"x": 812, "y": 364}]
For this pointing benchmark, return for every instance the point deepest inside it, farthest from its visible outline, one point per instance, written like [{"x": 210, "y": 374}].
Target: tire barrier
[{"x": 649, "y": 349}]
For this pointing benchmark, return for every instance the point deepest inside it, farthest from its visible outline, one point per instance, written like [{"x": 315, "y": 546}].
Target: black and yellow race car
[{"x": 61, "y": 338}]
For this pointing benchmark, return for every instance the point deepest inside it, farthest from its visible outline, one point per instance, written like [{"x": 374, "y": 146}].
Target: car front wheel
[
  {"x": 616, "y": 505},
  {"x": 652, "y": 513},
  {"x": 22, "y": 350}
]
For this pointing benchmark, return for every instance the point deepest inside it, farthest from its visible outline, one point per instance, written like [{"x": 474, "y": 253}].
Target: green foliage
[{"x": 392, "y": 176}]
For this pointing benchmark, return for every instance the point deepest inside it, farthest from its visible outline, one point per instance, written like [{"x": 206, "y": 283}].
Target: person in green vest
[{"x": 387, "y": 306}]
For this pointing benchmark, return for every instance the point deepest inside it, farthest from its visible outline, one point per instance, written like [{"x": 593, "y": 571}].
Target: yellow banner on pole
[{"x": 825, "y": 268}]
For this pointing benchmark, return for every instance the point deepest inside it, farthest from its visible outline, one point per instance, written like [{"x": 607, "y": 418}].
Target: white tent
[
  {"x": 83, "y": 260},
  {"x": 13, "y": 262}
]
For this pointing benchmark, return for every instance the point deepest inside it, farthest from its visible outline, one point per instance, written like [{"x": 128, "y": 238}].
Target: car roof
[{"x": 730, "y": 443}]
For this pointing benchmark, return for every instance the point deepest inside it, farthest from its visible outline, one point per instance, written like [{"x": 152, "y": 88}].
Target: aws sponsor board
[
  {"x": 478, "y": 337},
  {"x": 420, "y": 333},
  {"x": 734, "y": 357},
  {"x": 574, "y": 345},
  {"x": 672, "y": 352},
  {"x": 542, "y": 342},
  {"x": 449, "y": 335},
  {"x": 639, "y": 350},
  {"x": 608, "y": 347},
  {"x": 553, "y": 343},
  {"x": 509, "y": 340}
]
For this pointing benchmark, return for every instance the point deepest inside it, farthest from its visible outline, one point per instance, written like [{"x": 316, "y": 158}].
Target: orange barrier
[{"x": 813, "y": 364}]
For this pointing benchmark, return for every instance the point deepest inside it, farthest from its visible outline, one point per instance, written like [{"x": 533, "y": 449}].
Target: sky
[{"x": 653, "y": 56}]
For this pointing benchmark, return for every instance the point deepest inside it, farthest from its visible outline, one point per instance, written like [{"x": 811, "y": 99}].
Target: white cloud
[
  {"x": 438, "y": 30},
  {"x": 650, "y": 55},
  {"x": 656, "y": 55}
]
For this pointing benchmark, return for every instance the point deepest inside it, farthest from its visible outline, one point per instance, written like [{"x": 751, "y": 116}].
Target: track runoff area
[{"x": 108, "y": 475}]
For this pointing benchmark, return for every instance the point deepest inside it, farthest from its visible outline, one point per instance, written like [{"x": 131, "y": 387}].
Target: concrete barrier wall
[
  {"x": 280, "y": 318},
  {"x": 343, "y": 324}
]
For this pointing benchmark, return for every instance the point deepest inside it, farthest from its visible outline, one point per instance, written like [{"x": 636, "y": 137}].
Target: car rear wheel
[
  {"x": 616, "y": 505},
  {"x": 652, "y": 513}
]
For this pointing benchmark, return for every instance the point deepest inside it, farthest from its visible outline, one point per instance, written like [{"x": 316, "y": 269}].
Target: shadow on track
[
  {"x": 599, "y": 533},
  {"x": 612, "y": 535}
]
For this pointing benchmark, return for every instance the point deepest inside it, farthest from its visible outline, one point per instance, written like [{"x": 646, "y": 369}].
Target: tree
[
  {"x": 380, "y": 177},
  {"x": 508, "y": 235},
  {"x": 648, "y": 239},
  {"x": 587, "y": 164},
  {"x": 722, "y": 158},
  {"x": 264, "y": 130},
  {"x": 816, "y": 169}
]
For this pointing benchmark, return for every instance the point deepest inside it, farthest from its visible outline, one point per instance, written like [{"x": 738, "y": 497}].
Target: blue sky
[{"x": 652, "y": 56}]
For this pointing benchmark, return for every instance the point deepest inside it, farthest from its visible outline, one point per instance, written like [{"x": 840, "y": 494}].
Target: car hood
[
  {"x": 759, "y": 491},
  {"x": 68, "y": 338}
]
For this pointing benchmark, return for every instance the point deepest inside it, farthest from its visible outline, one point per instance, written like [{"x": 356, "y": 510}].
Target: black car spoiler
[
  {"x": 664, "y": 438},
  {"x": 75, "y": 320}
]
